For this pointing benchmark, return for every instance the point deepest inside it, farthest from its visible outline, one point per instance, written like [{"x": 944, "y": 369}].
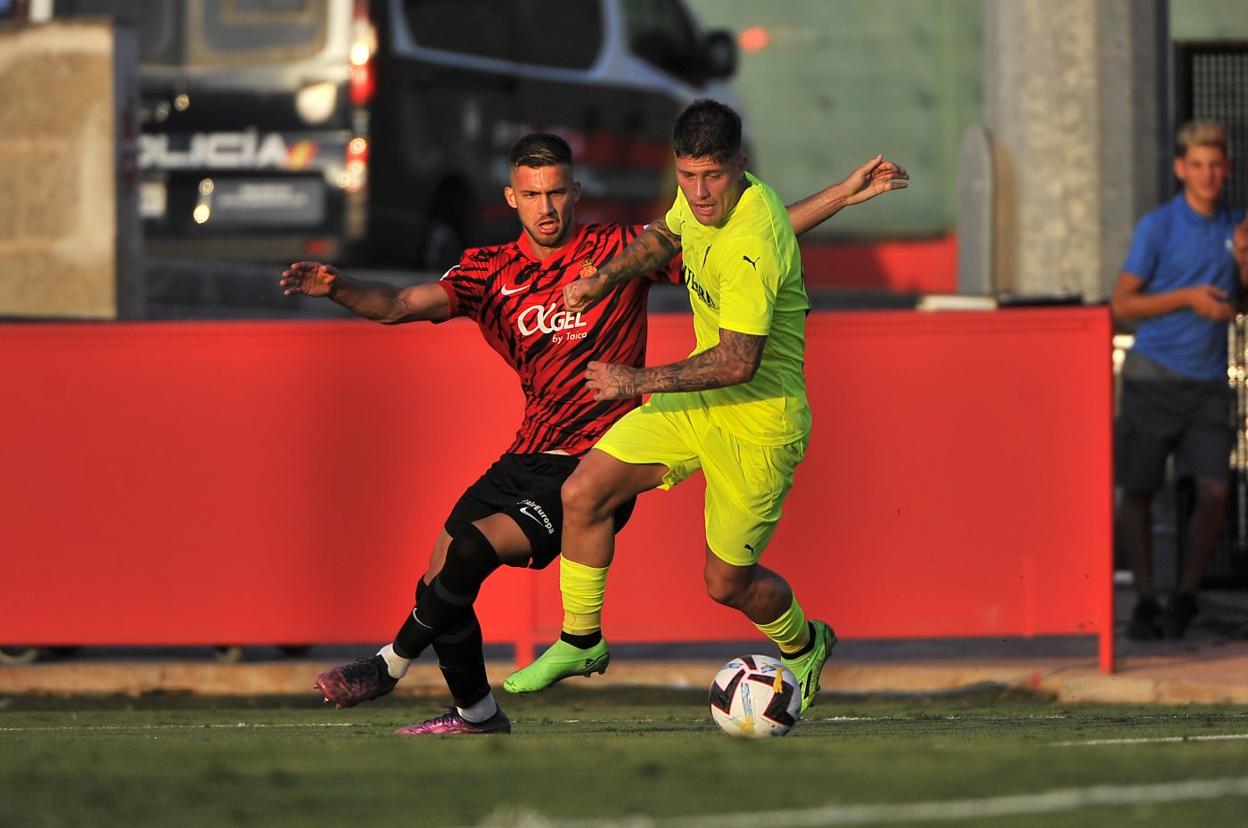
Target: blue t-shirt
[{"x": 1176, "y": 247}]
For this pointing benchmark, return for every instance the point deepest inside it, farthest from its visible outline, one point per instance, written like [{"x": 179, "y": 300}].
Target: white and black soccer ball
[{"x": 755, "y": 696}]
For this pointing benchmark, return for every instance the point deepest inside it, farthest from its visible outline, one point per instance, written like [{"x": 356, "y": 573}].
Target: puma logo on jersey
[{"x": 753, "y": 262}]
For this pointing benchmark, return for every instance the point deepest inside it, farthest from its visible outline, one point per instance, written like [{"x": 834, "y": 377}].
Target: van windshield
[{"x": 216, "y": 33}]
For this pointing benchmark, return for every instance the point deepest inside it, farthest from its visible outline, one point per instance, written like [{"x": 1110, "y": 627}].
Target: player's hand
[
  {"x": 610, "y": 381},
  {"x": 879, "y": 175},
  {"x": 1210, "y": 302},
  {"x": 308, "y": 278},
  {"x": 583, "y": 294}
]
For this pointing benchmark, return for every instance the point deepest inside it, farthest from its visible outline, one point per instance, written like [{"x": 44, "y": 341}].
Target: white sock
[
  {"x": 396, "y": 665},
  {"x": 480, "y": 711}
]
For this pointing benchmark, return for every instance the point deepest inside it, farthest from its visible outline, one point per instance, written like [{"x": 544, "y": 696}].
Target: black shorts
[
  {"x": 1163, "y": 413},
  {"x": 525, "y": 487}
]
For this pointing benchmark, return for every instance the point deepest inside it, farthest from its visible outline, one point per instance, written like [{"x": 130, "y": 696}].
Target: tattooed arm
[
  {"x": 651, "y": 251},
  {"x": 734, "y": 360}
]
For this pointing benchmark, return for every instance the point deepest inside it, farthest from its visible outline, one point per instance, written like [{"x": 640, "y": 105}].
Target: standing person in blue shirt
[{"x": 1186, "y": 268}]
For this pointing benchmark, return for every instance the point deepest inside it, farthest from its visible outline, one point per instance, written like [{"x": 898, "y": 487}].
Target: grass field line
[
  {"x": 1185, "y": 716},
  {"x": 1047, "y": 802},
  {"x": 230, "y": 726},
  {"x": 1155, "y": 740}
]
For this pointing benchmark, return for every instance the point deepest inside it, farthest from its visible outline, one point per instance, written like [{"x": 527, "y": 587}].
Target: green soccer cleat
[
  {"x": 561, "y": 660},
  {"x": 807, "y": 667}
]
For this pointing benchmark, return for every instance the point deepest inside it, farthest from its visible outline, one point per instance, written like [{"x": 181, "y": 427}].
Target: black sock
[
  {"x": 583, "y": 641},
  {"x": 410, "y": 641},
  {"x": 446, "y": 603},
  {"x": 462, "y": 661},
  {"x": 412, "y": 638},
  {"x": 437, "y": 611}
]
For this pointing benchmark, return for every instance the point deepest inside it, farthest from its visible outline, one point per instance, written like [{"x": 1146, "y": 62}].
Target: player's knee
[
  {"x": 583, "y": 499},
  {"x": 469, "y": 560},
  {"x": 437, "y": 556},
  {"x": 731, "y": 592}
]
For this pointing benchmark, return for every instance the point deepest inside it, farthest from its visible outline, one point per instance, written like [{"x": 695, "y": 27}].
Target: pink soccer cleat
[
  {"x": 453, "y": 724},
  {"x": 359, "y": 681}
]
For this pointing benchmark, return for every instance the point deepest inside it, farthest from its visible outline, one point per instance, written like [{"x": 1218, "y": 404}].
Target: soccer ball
[{"x": 755, "y": 696}]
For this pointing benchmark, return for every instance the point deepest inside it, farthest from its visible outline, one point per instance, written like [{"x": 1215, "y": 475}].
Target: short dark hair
[
  {"x": 541, "y": 150},
  {"x": 707, "y": 129}
]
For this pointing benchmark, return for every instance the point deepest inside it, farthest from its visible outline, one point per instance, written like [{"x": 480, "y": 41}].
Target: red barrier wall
[
  {"x": 279, "y": 482},
  {"x": 896, "y": 266}
]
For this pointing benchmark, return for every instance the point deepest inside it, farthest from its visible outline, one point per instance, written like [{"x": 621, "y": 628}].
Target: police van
[{"x": 348, "y": 129}]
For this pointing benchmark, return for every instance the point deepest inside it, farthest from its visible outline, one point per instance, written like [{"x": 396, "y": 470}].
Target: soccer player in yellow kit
[{"x": 735, "y": 409}]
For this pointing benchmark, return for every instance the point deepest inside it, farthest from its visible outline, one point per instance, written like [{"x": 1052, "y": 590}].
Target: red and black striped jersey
[{"x": 517, "y": 300}]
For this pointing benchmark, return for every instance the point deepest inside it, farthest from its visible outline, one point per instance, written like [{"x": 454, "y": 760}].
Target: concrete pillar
[
  {"x": 70, "y": 236},
  {"x": 1074, "y": 99},
  {"x": 976, "y": 196}
]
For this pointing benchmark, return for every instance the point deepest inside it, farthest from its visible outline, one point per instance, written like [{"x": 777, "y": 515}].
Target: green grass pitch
[{"x": 619, "y": 757}]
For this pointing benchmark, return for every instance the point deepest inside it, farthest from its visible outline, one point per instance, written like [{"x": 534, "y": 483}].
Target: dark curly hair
[{"x": 707, "y": 129}]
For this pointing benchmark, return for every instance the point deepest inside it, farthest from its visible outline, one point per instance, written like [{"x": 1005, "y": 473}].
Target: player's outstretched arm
[
  {"x": 651, "y": 251},
  {"x": 733, "y": 360},
  {"x": 879, "y": 175},
  {"x": 379, "y": 302}
]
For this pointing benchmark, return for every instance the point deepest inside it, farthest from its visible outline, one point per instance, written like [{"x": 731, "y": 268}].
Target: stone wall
[
  {"x": 1074, "y": 107},
  {"x": 69, "y": 234}
]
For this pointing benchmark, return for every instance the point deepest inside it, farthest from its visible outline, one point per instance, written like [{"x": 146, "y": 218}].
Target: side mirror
[{"x": 719, "y": 54}]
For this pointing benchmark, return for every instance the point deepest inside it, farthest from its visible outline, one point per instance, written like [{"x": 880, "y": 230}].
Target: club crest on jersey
[{"x": 588, "y": 268}]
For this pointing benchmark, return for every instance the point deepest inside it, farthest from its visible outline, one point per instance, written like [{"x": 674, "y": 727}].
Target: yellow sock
[
  {"x": 583, "y": 588},
  {"x": 790, "y": 631}
]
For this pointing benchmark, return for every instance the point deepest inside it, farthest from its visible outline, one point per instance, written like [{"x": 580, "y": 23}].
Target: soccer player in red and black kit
[{"x": 513, "y": 514}]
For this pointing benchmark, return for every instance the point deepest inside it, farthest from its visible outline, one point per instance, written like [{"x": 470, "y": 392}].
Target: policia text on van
[{"x": 350, "y": 129}]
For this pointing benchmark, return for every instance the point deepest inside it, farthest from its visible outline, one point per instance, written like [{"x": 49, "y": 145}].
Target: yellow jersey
[{"x": 745, "y": 275}]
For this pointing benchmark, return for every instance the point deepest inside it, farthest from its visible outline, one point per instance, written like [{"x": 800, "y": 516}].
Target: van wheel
[
  {"x": 63, "y": 652},
  {"x": 18, "y": 655},
  {"x": 295, "y": 650}
]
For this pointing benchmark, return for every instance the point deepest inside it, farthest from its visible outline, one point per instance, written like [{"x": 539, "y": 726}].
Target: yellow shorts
[{"x": 745, "y": 483}]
